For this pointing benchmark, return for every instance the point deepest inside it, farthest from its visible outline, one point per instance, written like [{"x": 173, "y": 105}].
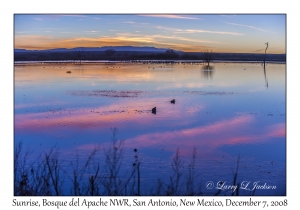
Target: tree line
[{"x": 112, "y": 54}]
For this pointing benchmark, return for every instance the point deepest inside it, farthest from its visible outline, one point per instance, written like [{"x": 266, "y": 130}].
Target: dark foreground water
[{"x": 223, "y": 112}]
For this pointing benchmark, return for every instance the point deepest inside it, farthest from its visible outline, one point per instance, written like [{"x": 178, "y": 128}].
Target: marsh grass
[
  {"x": 47, "y": 175},
  {"x": 41, "y": 177}
]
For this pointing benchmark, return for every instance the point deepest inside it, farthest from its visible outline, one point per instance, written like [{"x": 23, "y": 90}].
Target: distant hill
[{"x": 99, "y": 49}]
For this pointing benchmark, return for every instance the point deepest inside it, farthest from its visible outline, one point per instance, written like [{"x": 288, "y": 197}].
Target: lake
[{"x": 231, "y": 116}]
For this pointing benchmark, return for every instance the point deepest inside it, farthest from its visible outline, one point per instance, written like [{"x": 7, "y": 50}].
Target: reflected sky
[{"x": 230, "y": 113}]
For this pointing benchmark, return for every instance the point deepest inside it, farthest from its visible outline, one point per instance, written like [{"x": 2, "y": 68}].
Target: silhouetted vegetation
[
  {"x": 109, "y": 52},
  {"x": 79, "y": 55},
  {"x": 266, "y": 53},
  {"x": 207, "y": 57},
  {"x": 113, "y": 55},
  {"x": 47, "y": 174},
  {"x": 170, "y": 54}
]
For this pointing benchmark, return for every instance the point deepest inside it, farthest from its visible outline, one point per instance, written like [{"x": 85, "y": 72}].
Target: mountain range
[{"x": 99, "y": 49}]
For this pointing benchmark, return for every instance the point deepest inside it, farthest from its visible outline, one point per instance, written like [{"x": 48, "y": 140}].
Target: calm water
[{"x": 234, "y": 109}]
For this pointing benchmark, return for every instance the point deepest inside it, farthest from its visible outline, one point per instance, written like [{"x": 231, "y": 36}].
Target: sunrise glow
[{"x": 185, "y": 32}]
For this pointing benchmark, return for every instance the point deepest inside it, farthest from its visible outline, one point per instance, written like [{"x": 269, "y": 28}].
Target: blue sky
[{"x": 186, "y": 32}]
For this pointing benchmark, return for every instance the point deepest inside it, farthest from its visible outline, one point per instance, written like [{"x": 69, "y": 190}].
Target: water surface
[{"x": 225, "y": 111}]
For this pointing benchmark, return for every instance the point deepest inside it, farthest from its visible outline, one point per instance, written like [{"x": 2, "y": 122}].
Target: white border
[{"x": 8, "y": 8}]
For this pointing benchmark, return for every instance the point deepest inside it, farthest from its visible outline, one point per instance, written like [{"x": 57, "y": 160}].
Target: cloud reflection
[
  {"x": 208, "y": 137},
  {"x": 137, "y": 112}
]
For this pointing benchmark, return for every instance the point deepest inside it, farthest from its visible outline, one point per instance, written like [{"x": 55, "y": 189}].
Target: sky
[{"x": 185, "y": 32}]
